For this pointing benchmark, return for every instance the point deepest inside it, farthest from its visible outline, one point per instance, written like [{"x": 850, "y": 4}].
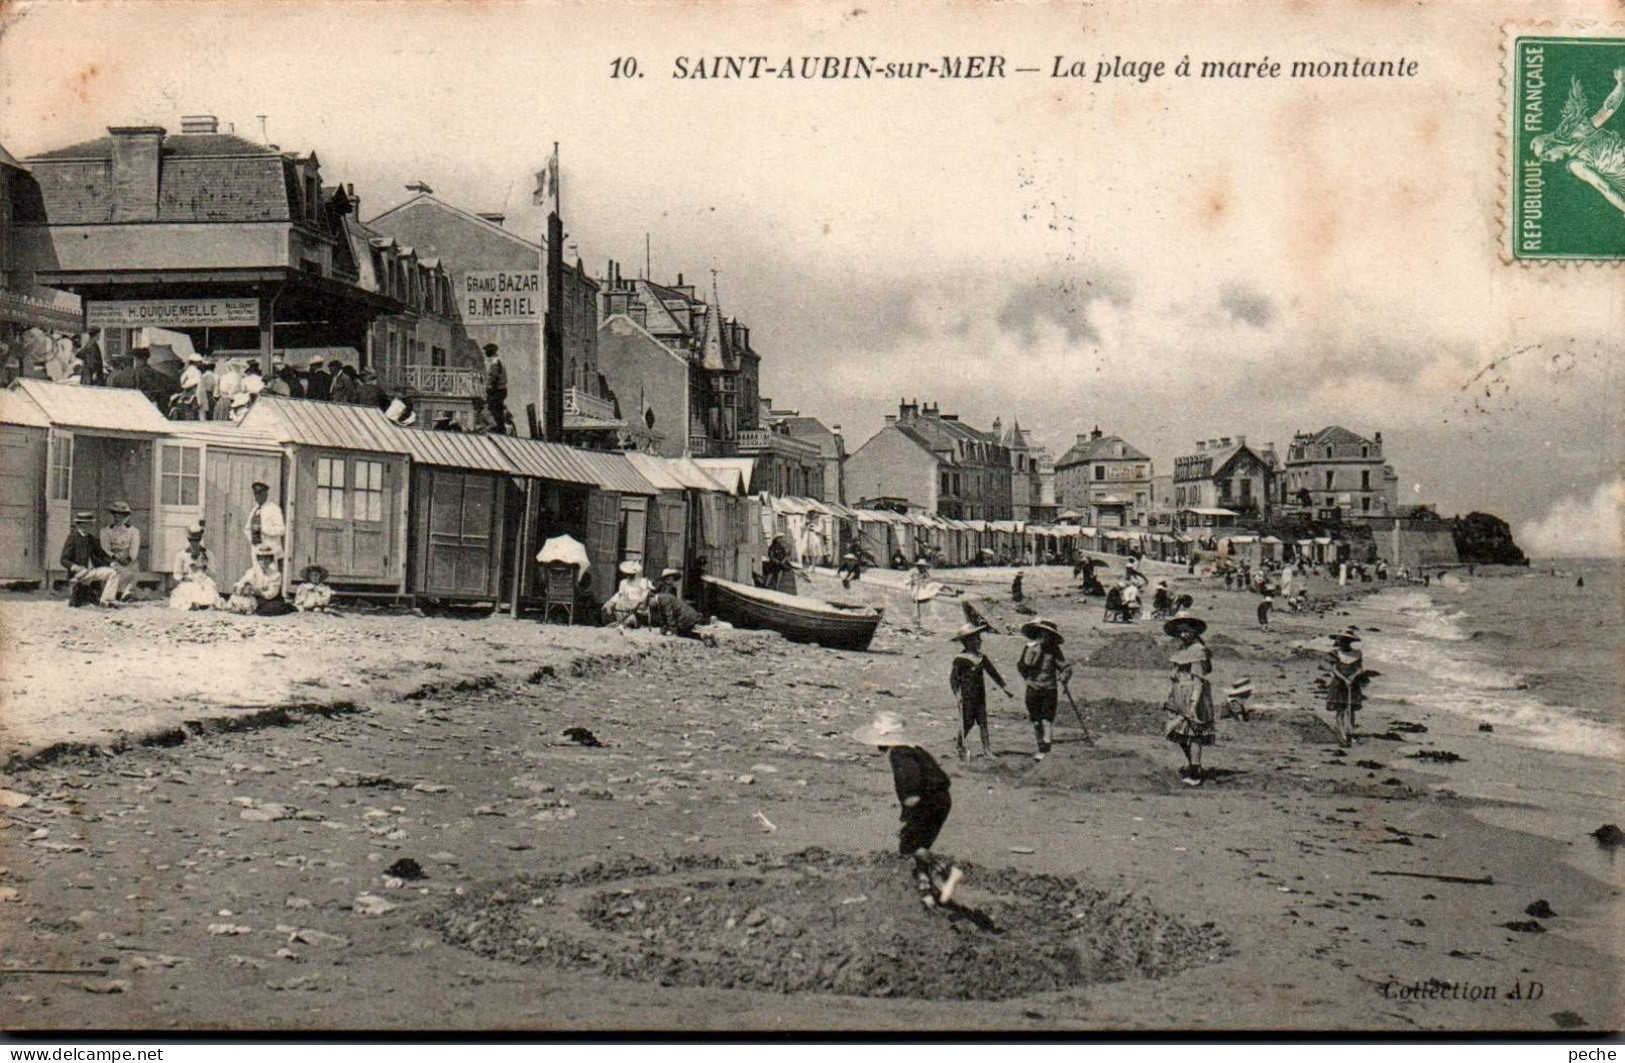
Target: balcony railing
[
  {"x": 759, "y": 439},
  {"x": 583, "y": 404},
  {"x": 436, "y": 380},
  {"x": 699, "y": 446}
]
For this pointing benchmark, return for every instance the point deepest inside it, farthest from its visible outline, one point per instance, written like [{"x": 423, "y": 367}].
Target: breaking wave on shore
[{"x": 1532, "y": 657}]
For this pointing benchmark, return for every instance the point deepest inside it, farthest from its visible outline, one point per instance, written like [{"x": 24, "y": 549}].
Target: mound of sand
[{"x": 821, "y": 922}]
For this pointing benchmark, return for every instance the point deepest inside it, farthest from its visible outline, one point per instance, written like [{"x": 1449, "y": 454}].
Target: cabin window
[
  {"x": 180, "y": 469},
  {"x": 330, "y": 488},
  {"x": 61, "y": 467},
  {"x": 369, "y": 491}
]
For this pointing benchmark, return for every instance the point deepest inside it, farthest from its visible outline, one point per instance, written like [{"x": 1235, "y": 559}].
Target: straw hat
[
  {"x": 920, "y": 562},
  {"x": 264, "y": 550},
  {"x": 120, "y": 508},
  {"x": 670, "y": 573},
  {"x": 967, "y": 630},
  {"x": 195, "y": 532},
  {"x": 1173, "y": 626},
  {"x": 849, "y": 557},
  {"x": 887, "y": 729},
  {"x": 1345, "y": 638},
  {"x": 313, "y": 574},
  {"x": 83, "y": 515},
  {"x": 1033, "y": 628},
  {"x": 630, "y": 568}
]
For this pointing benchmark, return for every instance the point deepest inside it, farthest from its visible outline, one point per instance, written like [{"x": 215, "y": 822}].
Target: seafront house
[
  {"x": 1227, "y": 474},
  {"x": 933, "y": 462},
  {"x": 1105, "y": 480},
  {"x": 1336, "y": 474},
  {"x": 1032, "y": 475}
]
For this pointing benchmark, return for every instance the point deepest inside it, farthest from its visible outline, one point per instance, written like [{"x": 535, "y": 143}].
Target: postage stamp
[{"x": 1567, "y": 148}]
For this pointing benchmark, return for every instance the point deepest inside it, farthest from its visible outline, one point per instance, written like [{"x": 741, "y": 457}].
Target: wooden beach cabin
[
  {"x": 346, "y": 493},
  {"x": 25, "y": 434},
  {"x": 102, "y": 448},
  {"x": 207, "y": 470},
  {"x": 462, "y": 504}
]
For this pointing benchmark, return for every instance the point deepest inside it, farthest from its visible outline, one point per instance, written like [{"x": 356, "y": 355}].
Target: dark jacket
[
  {"x": 82, "y": 550},
  {"x": 317, "y": 385},
  {"x": 966, "y": 679},
  {"x": 917, "y": 773}
]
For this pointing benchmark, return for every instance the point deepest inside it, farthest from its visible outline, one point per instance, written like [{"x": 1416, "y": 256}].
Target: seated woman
[
  {"x": 194, "y": 577},
  {"x": 630, "y": 597},
  {"x": 312, "y": 594},
  {"x": 259, "y": 592}
]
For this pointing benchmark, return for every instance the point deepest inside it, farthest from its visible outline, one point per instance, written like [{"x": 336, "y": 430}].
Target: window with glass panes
[
  {"x": 369, "y": 490},
  {"x": 61, "y": 468},
  {"x": 330, "y": 488},
  {"x": 181, "y": 472}
]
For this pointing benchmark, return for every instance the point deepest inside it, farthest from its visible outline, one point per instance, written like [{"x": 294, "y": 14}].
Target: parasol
[{"x": 565, "y": 549}]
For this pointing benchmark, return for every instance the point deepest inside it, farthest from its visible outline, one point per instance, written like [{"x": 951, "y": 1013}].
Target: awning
[{"x": 1211, "y": 511}]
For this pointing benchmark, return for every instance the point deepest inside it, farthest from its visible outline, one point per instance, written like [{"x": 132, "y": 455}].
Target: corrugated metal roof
[
  {"x": 326, "y": 424},
  {"x": 457, "y": 450},
  {"x": 17, "y": 408},
  {"x": 657, "y": 471},
  {"x": 692, "y": 475},
  {"x": 613, "y": 472},
  {"x": 104, "y": 409},
  {"x": 544, "y": 461},
  {"x": 225, "y": 433}
]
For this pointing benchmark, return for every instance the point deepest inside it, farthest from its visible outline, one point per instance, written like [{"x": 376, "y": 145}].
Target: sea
[{"x": 1531, "y": 652}]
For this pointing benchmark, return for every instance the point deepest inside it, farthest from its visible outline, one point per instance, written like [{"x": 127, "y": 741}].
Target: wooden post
[
  {"x": 522, "y": 558},
  {"x": 267, "y": 329}
]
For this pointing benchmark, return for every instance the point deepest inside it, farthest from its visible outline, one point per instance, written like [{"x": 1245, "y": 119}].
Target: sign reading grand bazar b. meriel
[{"x": 502, "y": 296}]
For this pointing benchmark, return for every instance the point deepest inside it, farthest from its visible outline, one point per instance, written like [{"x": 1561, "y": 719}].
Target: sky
[{"x": 1170, "y": 260}]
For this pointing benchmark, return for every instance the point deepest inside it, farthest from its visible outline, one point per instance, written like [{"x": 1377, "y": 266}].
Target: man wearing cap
[
  {"x": 121, "y": 541},
  {"x": 318, "y": 385},
  {"x": 85, "y": 561},
  {"x": 1045, "y": 668},
  {"x": 265, "y": 526},
  {"x": 966, "y": 678},
  {"x": 496, "y": 385}
]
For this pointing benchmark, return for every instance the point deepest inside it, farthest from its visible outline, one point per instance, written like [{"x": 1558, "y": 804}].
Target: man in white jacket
[{"x": 265, "y": 524}]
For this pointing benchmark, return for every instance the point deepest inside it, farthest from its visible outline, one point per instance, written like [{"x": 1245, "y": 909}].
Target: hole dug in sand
[{"x": 821, "y": 922}]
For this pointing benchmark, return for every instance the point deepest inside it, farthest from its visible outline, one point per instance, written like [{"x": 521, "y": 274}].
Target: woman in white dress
[{"x": 195, "y": 587}]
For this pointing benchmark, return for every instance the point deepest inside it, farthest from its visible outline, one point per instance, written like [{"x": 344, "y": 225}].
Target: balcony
[
  {"x": 583, "y": 404},
  {"x": 699, "y": 446},
  {"x": 435, "y": 380},
  {"x": 757, "y": 440}
]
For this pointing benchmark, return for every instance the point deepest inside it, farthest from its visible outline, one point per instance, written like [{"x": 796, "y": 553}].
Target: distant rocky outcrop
[{"x": 1485, "y": 539}]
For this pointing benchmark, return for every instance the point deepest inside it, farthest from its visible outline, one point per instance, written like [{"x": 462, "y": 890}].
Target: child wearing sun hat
[{"x": 922, "y": 791}]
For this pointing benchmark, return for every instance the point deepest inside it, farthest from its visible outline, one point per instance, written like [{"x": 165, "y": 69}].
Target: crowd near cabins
[{"x": 639, "y": 426}]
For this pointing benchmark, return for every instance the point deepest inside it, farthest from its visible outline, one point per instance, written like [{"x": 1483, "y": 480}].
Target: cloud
[
  {"x": 1579, "y": 527},
  {"x": 1060, "y": 301},
  {"x": 1243, "y": 304}
]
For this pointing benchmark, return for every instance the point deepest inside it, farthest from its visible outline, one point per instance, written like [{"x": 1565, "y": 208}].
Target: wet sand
[{"x": 725, "y": 776}]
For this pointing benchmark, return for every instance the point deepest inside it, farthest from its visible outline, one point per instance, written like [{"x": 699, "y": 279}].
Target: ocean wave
[{"x": 1529, "y": 721}]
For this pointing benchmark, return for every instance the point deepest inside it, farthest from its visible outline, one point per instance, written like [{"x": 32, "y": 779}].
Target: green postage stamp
[{"x": 1567, "y": 146}]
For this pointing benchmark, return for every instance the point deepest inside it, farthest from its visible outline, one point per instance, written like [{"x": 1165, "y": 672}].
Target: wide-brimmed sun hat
[
  {"x": 966, "y": 630},
  {"x": 1345, "y": 637},
  {"x": 630, "y": 568},
  {"x": 920, "y": 562},
  {"x": 83, "y": 515},
  {"x": 1033, "y": 628},
  {"x": 1174, "y": 626},
  {"x": 887, "y": 729},
  {"x": 120, "y": 508},
  {"x": 195, "y": 532},
  {"x": 849, "y": 557},
  {"x": 264, "y": 550},
  {"x": 668, "y": 573},
  {"x": 313, "y": 574}
]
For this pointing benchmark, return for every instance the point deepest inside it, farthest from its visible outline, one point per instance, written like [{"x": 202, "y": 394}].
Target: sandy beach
[{"x": 721, "y": 860}]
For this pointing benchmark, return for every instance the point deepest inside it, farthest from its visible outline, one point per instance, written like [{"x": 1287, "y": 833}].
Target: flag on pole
[{"x": 547, "y": 184}]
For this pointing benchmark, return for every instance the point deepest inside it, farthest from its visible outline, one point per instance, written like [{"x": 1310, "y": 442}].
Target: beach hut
[
  {"x": 207, "y": 471},
  {"x": 555, "y": 490},
  {"x": 462, "y": 504},
  {"x": 666, "y": 536},
  {"x": 25, "y": 435},
  {"x": 346, "y": 493},
  {"x": 102, "y": 447},
  {"x": 617, "y": 509}
]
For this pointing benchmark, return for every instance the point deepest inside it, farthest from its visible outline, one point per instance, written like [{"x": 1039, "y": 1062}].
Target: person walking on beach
[
  {"x": 921, "y": 590},
  {"x": 1264, "y": 606},
  {"x": 922, "y": 791},
  {"x": 966, "y": 680},
  {"x": 1345, "y": 695},
  {"x": 1189, "y": 706},
  {"x": 1044, "y": 667}
]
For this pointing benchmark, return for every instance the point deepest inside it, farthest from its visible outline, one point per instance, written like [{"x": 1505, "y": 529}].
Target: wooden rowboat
[{"x": 833, "y": 624}]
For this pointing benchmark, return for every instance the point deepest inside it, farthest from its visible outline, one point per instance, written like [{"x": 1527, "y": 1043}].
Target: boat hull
[{"x": 836, "y": 627}]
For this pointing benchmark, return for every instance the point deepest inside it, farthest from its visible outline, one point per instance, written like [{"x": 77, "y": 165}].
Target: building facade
[
  {"x": 646, "y": 330},
  {"x": 209, "y": 234},
  {"x": 1105, "y": 480},
  {"x": 1032, "y": 475},
  {"x": 1336, "y": 474},
  {"x": 498, "y": 285},
  {"x": 1226, "y": 473},
  {"x": 934, "y": 462},
  {"x": 826, "y": 442},
  {"x": 30, "y": 316}
]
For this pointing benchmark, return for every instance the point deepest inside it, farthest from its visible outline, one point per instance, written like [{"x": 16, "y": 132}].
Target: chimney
[
  {"x": 194, "y": 124},
  {"x": 495, "y": 217},
  {"x": 1241, "y": 441},
  {"x": 135, "y": 171},
  {"x": 1377, "y": 439},
  {"x": 1096, "y": 433},
  {"x": 679, "y": 280}
]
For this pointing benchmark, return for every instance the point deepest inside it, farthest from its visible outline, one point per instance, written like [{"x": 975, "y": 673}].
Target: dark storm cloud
[
  {"x": 1248, "y": 306},
  {"x": 1062, "y": 301}
]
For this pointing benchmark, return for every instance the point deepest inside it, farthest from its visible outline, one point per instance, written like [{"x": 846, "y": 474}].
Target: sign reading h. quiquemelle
[
  {"x": 193, "y": 313},
  {"x": 502, "y": 296}
]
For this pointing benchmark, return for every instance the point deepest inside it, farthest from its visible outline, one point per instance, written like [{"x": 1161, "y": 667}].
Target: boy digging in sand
[
  {"x": 1044, "y": 667},
  {"x": 966, "y": 680},
  {"x": 922, "y": 789}
]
